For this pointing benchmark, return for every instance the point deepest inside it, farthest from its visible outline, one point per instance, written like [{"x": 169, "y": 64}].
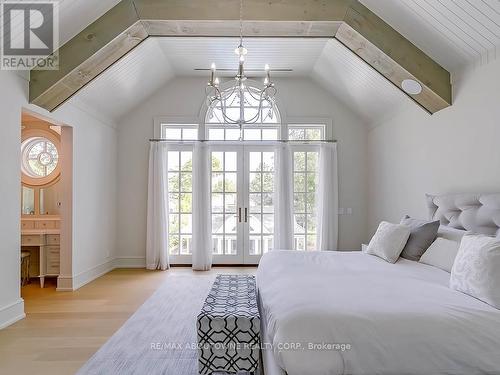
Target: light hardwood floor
[{"x": 62, "y": 330}]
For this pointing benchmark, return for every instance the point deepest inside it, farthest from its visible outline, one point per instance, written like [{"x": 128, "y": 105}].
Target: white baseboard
[
  {"x": 130, "y": 262},
  {"x": 15, "y": 311},
  {"x": 12, "y": 313},
  {"x": 69, "y": 284},
  {"x": 93, "y": 273}
]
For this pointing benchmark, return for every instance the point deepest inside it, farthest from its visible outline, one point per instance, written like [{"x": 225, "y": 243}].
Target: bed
[{"x": 351, "y": 313}]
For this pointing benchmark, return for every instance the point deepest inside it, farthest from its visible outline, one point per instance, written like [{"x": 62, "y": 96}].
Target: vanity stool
[{"x": 25, "y": 267}]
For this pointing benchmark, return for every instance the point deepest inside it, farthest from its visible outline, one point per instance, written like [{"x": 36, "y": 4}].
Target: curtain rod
[{"x": 248, "y": 141}]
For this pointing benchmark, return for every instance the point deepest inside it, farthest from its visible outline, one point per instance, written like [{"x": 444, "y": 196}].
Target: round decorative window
[{"x": 39, "y": 157}]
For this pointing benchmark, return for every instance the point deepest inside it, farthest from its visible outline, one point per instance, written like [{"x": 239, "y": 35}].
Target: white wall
[
  {"x": 94, "y": 195},
  {"x": 456, "y": 150},
  {"x": 12, "y": 93},
  {"x": 183, "y": 97}
]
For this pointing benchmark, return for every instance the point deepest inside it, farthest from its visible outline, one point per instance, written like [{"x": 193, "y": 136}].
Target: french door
[{"x": 242, "y": 202}]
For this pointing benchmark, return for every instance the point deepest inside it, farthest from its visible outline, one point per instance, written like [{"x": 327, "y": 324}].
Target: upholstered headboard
[{"x": 478, "y": 213}]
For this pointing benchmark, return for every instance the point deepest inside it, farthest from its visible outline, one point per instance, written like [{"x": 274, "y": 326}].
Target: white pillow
[
  {"x": 451, "y": 234},
  {"x": 389, "y": 241},
  {"x": 476, "y": 271},
  {"x": 441, "y": 254}
]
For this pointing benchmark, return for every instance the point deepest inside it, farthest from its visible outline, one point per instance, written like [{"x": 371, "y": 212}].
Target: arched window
[{"x": 267, "y": 127}]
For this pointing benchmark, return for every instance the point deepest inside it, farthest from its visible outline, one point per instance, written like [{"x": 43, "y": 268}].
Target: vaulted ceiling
[{"x": 455, "y": 33}]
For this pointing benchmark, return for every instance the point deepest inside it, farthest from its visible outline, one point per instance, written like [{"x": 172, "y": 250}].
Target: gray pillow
[{"x": 422, "y": 235}]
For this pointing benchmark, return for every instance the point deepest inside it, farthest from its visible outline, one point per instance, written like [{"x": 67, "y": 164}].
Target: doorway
[
  {"x": 46, "y": 203},
  {"x": 242, "y": 203}
]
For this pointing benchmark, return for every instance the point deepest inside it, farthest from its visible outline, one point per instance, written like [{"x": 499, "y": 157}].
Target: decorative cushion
[
  {"x": 441, "y": 254},
  {"x": 476, "y": 270},
  {"x": 388, "y": 241},
  {"x": 451, "y": 234},
  {"x": 422, "y": 235}
]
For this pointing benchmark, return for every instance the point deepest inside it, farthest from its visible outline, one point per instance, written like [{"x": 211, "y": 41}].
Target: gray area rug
[{"x": 160, "y": 338}]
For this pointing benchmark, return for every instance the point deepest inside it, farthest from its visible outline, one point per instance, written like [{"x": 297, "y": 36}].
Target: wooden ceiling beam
[{"x": 125, "y": 26}]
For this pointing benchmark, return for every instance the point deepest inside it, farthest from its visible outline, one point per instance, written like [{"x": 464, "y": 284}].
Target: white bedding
[{"x": 398, "y": 318}]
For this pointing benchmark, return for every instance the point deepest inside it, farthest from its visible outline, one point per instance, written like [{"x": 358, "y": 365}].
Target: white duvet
[{"x": 397, "y": 318}]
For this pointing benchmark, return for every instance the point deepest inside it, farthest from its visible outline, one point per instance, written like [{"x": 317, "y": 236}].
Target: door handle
[
  {"x": 239, "y": 215},
  {"x": 246, "y": 215}
]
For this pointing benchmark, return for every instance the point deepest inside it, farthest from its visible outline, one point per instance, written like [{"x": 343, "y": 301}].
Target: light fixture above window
[{"x": 239, "y": 91}]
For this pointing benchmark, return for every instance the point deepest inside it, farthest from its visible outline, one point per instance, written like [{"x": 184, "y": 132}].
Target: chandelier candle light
[{"x": 237, "y": 93}]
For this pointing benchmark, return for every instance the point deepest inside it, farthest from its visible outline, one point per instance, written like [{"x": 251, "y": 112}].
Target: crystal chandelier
[{"x": 239, "y": 90}]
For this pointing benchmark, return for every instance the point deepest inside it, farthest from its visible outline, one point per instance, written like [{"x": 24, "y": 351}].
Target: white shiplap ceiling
[
  {"x": 354, "y": 84},
  {"x": 127, "y": 83},
  {"x": 187, "y": 54},
  {"x": 456, "y": 33}
]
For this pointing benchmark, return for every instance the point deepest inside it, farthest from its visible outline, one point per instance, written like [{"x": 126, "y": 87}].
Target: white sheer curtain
[
  {"x": 327, "y": 198},
  {"x": 202, "y": 221},
  {"x": 283, "y": 198},
  {"x": 157, "y": 220}
]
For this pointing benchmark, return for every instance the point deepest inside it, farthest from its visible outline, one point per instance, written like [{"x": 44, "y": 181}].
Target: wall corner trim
[{"x": 12, "y": 313}]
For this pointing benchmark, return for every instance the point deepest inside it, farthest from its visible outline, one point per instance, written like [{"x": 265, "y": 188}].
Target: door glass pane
[
  {"x": 231, "y": 162},
  {"x": 267, "y": 182},
  {"x": 230, "y": 182},
  {"x": 230, "y": 203},
  {"x": 255, "y": 245},
  {"x": 217, "y": 202},
  {"x": 255, "y": 223},
  {"x": 268, "y": 161},
  {"x": 187, "y": 161},
  {"x": 267, "y": 244},
  {"x": 173, "y": 245},
  {"x": 267, "y": 203},
  {"x": 231, "y": 224},
  {"x": 224, "y": 202},
  {"x": 255, "y": 182},
  {"x": 180, "y": 201},
  {"x": 255, "y": 162},
  {"x": 261, "y": 201},
  {"x": 305, "y": 182},
  {"x": 217, "y": 161},
  {"x": 217, "y": 224},
  {"x": 217, "y": 182},
  {"x": 255, "y": 203},
  {"x": 268, "y": 224},
  {"x": 230, "y": 245}
]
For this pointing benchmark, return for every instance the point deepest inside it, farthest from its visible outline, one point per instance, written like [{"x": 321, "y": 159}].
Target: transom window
[
  {"x": 179, "y": 132},
  {"x": 306, "y": 132}
]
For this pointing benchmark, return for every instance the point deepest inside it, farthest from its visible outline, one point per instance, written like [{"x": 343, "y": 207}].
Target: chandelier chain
[
  {"x": 241, "y": 22},
  {"x": 264, "y": 96}
]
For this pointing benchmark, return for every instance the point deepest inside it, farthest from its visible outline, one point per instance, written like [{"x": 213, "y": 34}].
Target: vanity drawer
[
  {"x": 53, "y": 262},
  {"x": 53, "y": 269},
  {"x": 27, "y": 225},
  {"x": 53, "y": 239},
  {"x": 32, "y": 240},
  {"x": 45, "y": 224}
]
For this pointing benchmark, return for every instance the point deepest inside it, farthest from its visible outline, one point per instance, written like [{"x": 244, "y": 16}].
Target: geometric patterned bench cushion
[{"x": 229, "y": 326}]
